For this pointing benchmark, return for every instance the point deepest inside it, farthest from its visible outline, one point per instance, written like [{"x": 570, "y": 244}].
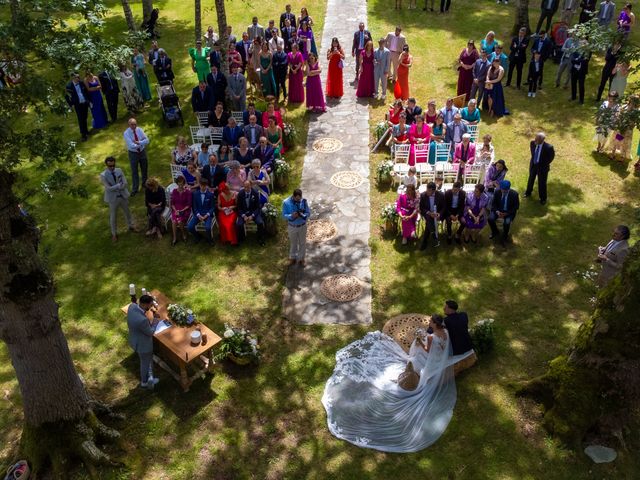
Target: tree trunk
[
  {"x": 128, "y": 15},
  {"x": 223, "y": 35},
  {"x": 594, "y": 391},
  {"x": 147, "y": 8},
  {"x": 198, "y": 19},
  {"x": 522, "y": 16}
]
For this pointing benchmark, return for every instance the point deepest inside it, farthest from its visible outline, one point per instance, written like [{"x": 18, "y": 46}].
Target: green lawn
[{"x": 268, "y": 422}]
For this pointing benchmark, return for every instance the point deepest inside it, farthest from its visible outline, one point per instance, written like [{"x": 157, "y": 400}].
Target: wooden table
[{"x": 174, "y": 345}]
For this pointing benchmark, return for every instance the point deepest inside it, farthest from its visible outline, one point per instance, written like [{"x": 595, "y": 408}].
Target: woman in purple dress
[
  {"x": 315, "y": 95},
  {"x": 407, "y": 208},
  {"x": 467, "y": 58},
  {"x": 296, "y": 75},
  {"x": 180, "y": 208},
  {"x": 624, "y": 20},
  {"x": 475, "y": 214},
  {"x": 306, "y": 35},
  {"x": 366, "y": 86}
]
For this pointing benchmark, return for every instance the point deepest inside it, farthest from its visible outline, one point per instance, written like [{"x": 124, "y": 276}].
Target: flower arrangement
[
  {"x": 384, "y": 170},
  {"x": 389, "y": 212},
  {"x": 181, "y": 315},
  {"x": 380, "y": 129},
  {"x": 270, "y": 211},
  {"x": 239, "y": 345},
  {"x": 290, "y": 134},
  {"x": 482, "y": 335}
]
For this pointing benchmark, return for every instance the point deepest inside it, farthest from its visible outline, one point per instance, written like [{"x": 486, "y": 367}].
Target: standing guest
[
  {"x": 305, "y": 35},
  {"x": 394, "y": 42},
  {"x": 484, "y": 151},
  {"x": 253, "y": 64},
  {"x": 504, "y": 59},
  {"x": 214, "y": 173},
  {"x": 200, "y": 60},
  {"x": 231, "y": 133},
  {"x": 470, "y": 114},
  {"x": 253, "y": 131},
  {"x": 227, "y": 215},
  {"x": 236, "y": 175},
  {"x": 619, "y": 82},
  {"x": 218, "y": 118},
  {"x": 244, "y": 49},
  {"x": 136, "y": 142},
  {"x": 518, "y": 55},
  {"x": 234, "y": 59},
  {"x": 273, "y": 132},
  {"x": 243, "y": 153},
  {"x": 396, "y": 109},
  {"x": 542, "y": 154},
  {"x": 626, "y": 19},
  {"x": 565, "y": 60},
  {"x": 419, "y": 134},
  {"x": 335, "y": 57},
  {"x": 237, "y": 86},
  {"x": 381, "y": 65},
  {"x": 610, "y": 62},
  {"x": 454, "y": 201},
  {"x": 153, "y": 55},
  {"x": 315, "y": 95},
  {"x": 132, "y": 98},
  {"x": 475, "y": 214},
  {"x": 464, "y": 154},
  {"x": 249, "y": 211},
  {"x": 466, "y": 62},
  {"x": 215, "y": 58},
  {"x": 255, "y": 30},
  {"x": 181, "y": 198},
  {"x": 535, "y": 72},
  {"x": 438, "y": 135},
  {"x": 287, "y": 15},
  {"x": 579, "y": 70},
  {"x": 431, "y": 113},
  {"x": 280, "y": 67},
  {"x": 294, "y": 40},
  {"x": 607, "y": 110},
  {"x": 613, "y": 255},
  {"x": 365, "y": 77},
  {"x": 449, "y": 111},
  {"x": 306, "y": 18},
  {"x": 488, "y": 43},
  {"x": 413, "y": 110},
  {"x": 606, "y": 13},
  {"x": 288, "y": 32},
  {"x": 141, "y": 332},
  {"x": 457, "y": 324},
  {"x": 588, "y": 10},
  {"x": 98, "y": 112},
  {"x": 266, "y": 72},
  {"x": 202, "y": 210},
  {"x": 296, "y": 211},
  {"x": 296, "y": 75},
  {"x": 455, "y": 130},
  {"x": 407, "y": 208},
  {"x": 360, "y": 39},
  {"x": 202, "y": 97},
  {"x": 182, "y": 154},
  {"x": 504, "y": 205},
  {"x": 111, "y": 91},
  {"x": 77, "y": 96},
  {"x": 155, "y": 199},
  {"x": 444, "y": 6},
  {"x": 432, "y": 209},
  {"x": 271, "y": 32},
  {"x": 479, "y": 73},
  {"x": 140, "y": 74},
  {"x": 619, "y": 143},
  {"x": 260, "y": 180},
  {"x": 217, "y": 82},
  {"x": 271, "y": 112},
  {"x": 116, "y": 195},
  {"x": 210, "y": 37},
  {"x": 543, "y": 45},
  {"x": 163, "y": 68},
  {"x": 495, "y": 92},
  {"x": 401, "y": 88},
  {"x": 548, "y": 9}
]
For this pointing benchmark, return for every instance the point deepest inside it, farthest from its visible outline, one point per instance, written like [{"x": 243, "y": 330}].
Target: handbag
[{"x": 340, "y": 64}]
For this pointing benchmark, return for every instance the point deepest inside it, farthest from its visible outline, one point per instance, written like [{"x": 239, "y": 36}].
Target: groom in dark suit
[
  {"x": 457, "y": 324},
  {"x": 360, "y": 39},
  {"x": 542, "y": 154},
  {"x": 110, "y": 89}
]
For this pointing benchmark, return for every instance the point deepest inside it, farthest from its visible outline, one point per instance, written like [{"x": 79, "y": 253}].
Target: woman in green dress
[
  {"x": 266, "y": 72},
  {"x": 200, "y": 61},
  {"x": 274, "y": 137},
  {"x": 139, "y": 73}
]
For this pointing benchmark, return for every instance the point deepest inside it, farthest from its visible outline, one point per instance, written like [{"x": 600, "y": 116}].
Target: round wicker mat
[
  {"x": 327, "y": 145},
  {"x": 402, "y": 328},
  {"x": 341, "y": 288},
  {"x": 346, "y": 179},
  {"x": 321, "y": 230}
]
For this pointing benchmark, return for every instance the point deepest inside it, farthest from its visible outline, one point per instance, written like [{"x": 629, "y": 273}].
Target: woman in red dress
[
  {"x": 227, "y": 214},
  {"x": 467, "y": 58},
  {"x": 395, "y": 111},
  {"x": 335, "y": 56},
  {"x": 401, "y": 89}
]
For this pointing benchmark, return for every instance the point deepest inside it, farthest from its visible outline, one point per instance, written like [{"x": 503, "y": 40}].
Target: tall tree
[
  {"x": 221, "y": 14},
  {"x": 147, "y": 8},
  {"x": 522, "y": 16},
  {"x": 128, "y": 15},
  {"x": 198, "y": 19}
]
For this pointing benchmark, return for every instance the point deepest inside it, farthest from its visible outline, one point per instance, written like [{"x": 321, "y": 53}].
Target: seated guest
[
  {"x": 253, "y": 131},
  {"x": 432, "y": 209},
  {"x": 225, "y": 154},
  {"x": 217, "y": 82},
  {"x": 484, "y": 152},
  {"x": 449, "y": 111},
  {"x": 394, "y": 112},
  {"x": 236, "y": 176},
  {"x": 419, "y": 134},
  {"x": 218, "y": 117},
  {"x": 470, "y": 114},
  {"x": 475, "y": 214},
  {"x": 202, "y": 208},
  {"x": 242, "y": 153},
  {"x": 495, "y": 174},
  {"x": 438, "y": 135},
  {"x": 457, "y": 324},
  {"x": 249, "y": 211},
  {"x": 455, "y": 130},
  {"x": 191, "y": 175},
  {"x": 464, "y": 154},
  {"x": 412, "y": 110},
  {"x": 454, "y": 200},
  {"x": 214, "y": 173},
  {"x": 274, "y": 137},
  {"x": 181, "y": 198},
  {"x": 202, "y": 98},
  {"x": 182, "y": 154},
  {"x": 260, "y": 180},
  {"x": 227, "y": 215},
  {"x": 400, "y": 132},
  {"x": 431, "y": 113},
  {"x": 251, "y": 110},
  {"x": 155, "y": 200},
  {"x": 203, "y": 155},
  {"x": 232, "y": 133},
  {"x": 272, "y": 112},
  {"x": 407, "y": 208},
  {"x": 505, "y": 205},
  {"x": 613, "y": 255},
  {"x": 264, "y": 153},
  {"x": 409, "y": 179}
]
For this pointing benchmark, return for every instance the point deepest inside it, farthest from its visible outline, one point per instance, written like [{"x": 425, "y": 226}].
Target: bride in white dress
[{"x": 366, "y": 406}]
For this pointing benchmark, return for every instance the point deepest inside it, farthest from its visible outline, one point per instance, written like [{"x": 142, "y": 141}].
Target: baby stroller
[{"x": 170, "y": 104}]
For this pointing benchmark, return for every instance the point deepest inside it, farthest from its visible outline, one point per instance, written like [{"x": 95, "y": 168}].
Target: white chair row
[
  {"x": 210, "y": 135},
  {"x": 203, "y": 118}
]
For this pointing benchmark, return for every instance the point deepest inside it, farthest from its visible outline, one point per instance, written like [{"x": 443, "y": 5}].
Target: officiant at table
[{"x": 141, "y": 332}]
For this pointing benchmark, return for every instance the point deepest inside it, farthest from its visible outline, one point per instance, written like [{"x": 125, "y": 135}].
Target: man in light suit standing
[
  {"x": 116, "y": 195},
  {"x": 141, "y": 338},
  {"x": 255, "y": 29},
  {"x": 360, "y": 39},
  {"x": 613, "y": 255},
  {"x": 237, "y": 87},
  {"x": 394, "y": 42},
  {"x": 542, "y": 154},
  {"x": 381, "y": 64},
  {"x": 606, "y": 12},
  {"x": 136, "y": 142}
]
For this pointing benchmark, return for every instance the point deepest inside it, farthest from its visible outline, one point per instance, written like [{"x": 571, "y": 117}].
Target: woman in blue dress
[
  {"x": 259, "y": 179},
  {"x": 488, "y": 43},
  {"x": 494, "y": 90},
  {"x": 142, "y": 80},
  {"x": 98, "y": 111},
  {"x": 438, "y": 133}
]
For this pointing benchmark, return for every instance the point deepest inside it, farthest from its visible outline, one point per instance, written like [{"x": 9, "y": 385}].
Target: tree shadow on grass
[{"x": 619, "y": 168}]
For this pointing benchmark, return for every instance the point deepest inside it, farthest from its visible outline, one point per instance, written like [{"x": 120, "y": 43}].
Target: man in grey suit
[
  {"x": 605, "y": 15},
  {"x": 613, "y": 255},
  {"x": 116, "y": 195},
  {"x": 253, "y": 131},
  {"x": 455, "y": 130},
  {"x": 237, "y": 87},
  {"x": 141, "y": 337},
  {"x": 381, "y": 65},
  {"x": 255, "y": 29}
]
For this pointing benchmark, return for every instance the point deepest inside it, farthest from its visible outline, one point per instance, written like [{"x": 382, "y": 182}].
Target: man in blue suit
[
  {"x": 141, "y": 338},
  {"x": 202, "y": 210},
  {"x": 264, "y": 152},
  {"x": 202, "y": 98}
]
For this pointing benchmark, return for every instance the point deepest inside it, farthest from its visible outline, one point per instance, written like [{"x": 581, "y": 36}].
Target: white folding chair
[
  {"x": 401, "y": 153},
  {"x": 471, "y": 177},
  {"x": 442, "y": 152},
  {"x": 166, "y": 215},
  {"x": 238, "y": 117},
  {"x": 425, "y": 173},
  {"x": 200, "y": 226},
  {"x": 473, "y": 131},
  {"x": 421, "y": 152},
  {"x": 176, "y": 171},
  {"x": 203, "y": 118},
  {"x": 449, "y": 176},
  {"x": 216, "y": 135},
  {"x": 200, "y": 135}
]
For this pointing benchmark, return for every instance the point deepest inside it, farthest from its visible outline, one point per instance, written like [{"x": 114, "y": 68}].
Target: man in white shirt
[
  {"x": 136, "y": 142},
  {"x": 394, "y": 42}
]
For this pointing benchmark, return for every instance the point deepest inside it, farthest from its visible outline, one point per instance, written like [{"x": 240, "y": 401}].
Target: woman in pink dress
[
  {"x": 419, "y": 133},
  {"x": 407, "y": 207},
  {"x": 180, "y": 208},
  {"x": 467, "y": 58},
  {"x": 366, "y": 87},
  {"x": 296, "y": 76},
  {"x": 315, "y": 95}
]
